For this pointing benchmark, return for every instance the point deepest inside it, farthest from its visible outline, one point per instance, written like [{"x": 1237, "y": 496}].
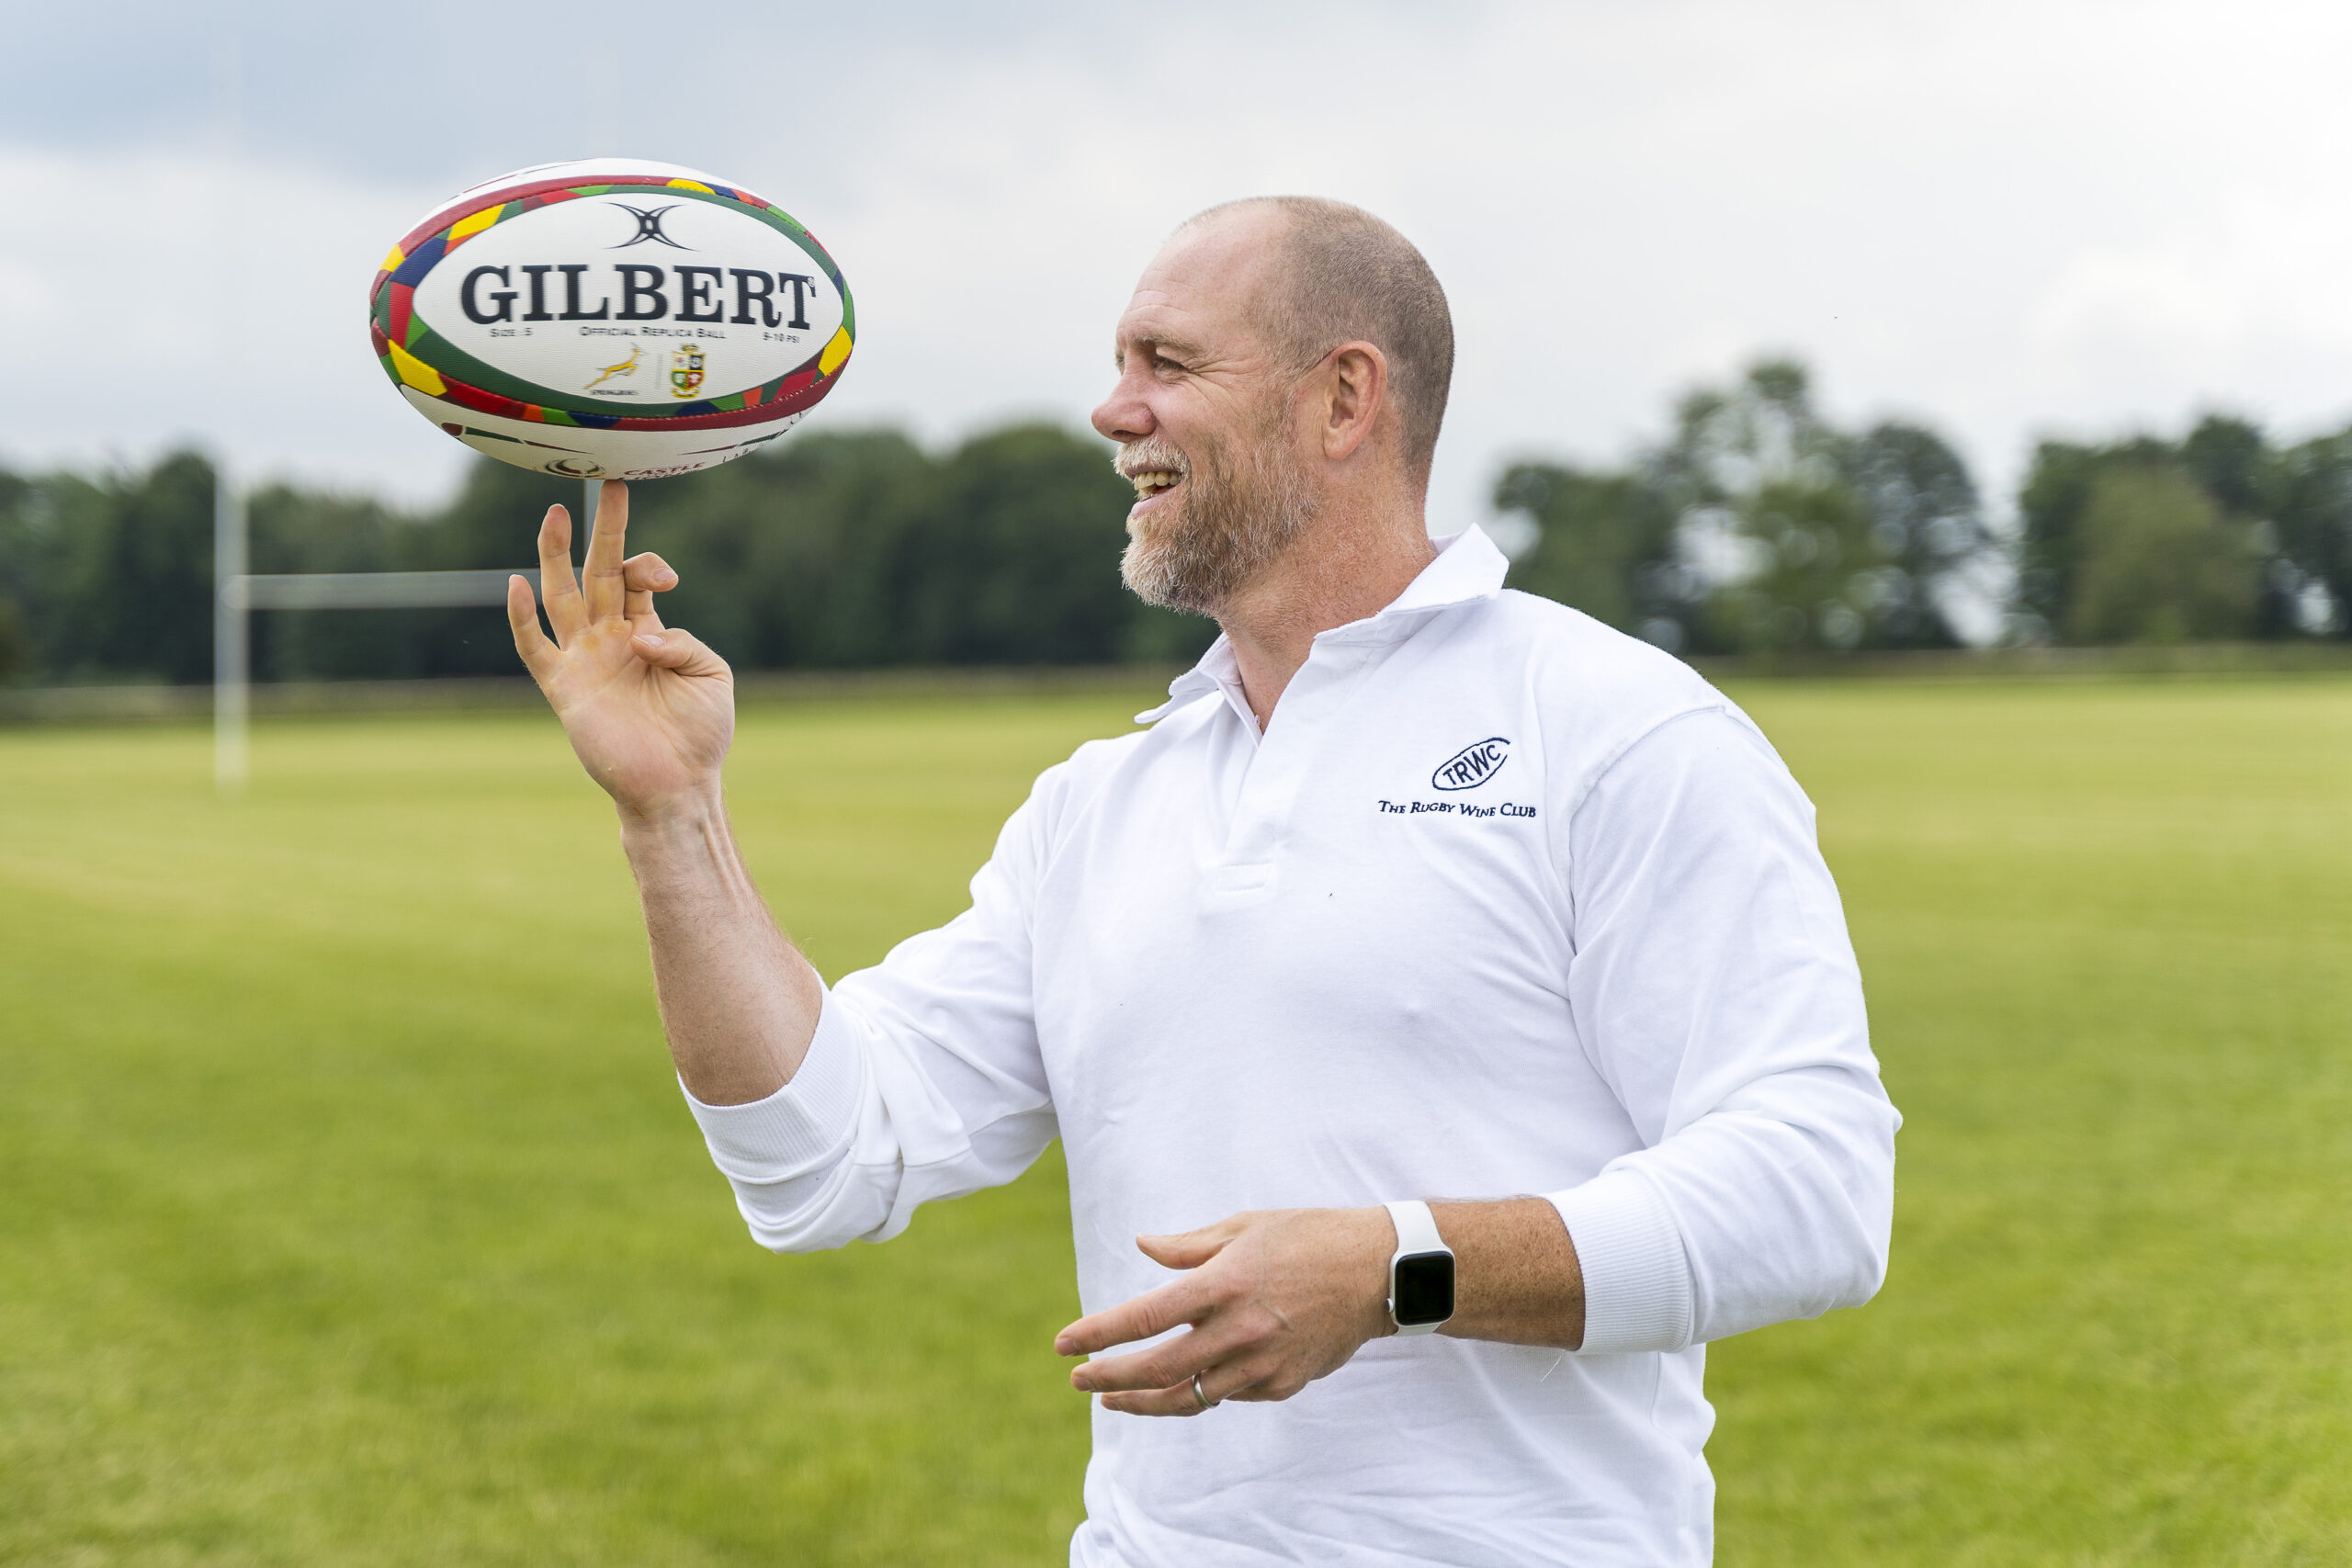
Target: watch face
[{"x": 1424, "y": 1287}]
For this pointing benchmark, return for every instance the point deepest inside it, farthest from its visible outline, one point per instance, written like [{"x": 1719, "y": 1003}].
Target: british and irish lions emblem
[{"x": 685, "y": 370}]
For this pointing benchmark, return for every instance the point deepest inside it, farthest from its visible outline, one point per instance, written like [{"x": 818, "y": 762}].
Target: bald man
[{"x": 1447, "y": 1015}]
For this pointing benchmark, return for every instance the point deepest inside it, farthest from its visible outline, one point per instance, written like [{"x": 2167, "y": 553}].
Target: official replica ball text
[{"x": 611, "y": 320}]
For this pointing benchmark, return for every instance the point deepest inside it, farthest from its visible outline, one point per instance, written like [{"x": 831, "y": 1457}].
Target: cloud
[
  {"x": 2247, "y": 308},
  {"x": 2000, "y": 219}
]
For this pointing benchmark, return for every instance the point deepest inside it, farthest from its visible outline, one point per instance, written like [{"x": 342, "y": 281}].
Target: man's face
[{"x": 1203, "y": 414}]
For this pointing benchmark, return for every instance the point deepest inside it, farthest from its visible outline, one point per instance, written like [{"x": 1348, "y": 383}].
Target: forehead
[{"x": 1201, "y": 291}]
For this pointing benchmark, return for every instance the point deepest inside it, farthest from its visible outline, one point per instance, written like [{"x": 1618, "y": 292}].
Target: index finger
[
  {"x": 1155, "y": 1312},
  {"x": 561, "y": 593},
  {"x": 603, "y": 570}
]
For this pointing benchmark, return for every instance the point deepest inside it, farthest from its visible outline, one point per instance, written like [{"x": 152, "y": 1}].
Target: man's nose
[{"x": 1125, "y": 415}]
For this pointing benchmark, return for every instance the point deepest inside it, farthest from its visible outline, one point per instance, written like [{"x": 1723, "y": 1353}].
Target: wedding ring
[{"x": 1206, "y": 1403}]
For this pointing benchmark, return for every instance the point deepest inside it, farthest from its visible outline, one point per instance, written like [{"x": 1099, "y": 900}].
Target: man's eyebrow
[{"x": 1158, "y": 342}]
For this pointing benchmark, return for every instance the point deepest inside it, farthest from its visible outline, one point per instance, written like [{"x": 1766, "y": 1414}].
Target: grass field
[{"x": 348, "y": 1213}]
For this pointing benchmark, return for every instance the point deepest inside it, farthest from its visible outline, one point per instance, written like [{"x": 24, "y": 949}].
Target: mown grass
[{"x": 348, "y": 1214}]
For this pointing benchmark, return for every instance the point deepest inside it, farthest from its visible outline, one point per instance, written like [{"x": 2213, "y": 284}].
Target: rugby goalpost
[{"x": 237, "y": 593}]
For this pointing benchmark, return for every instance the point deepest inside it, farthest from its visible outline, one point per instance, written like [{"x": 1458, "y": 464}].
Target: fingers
[
  {"x": 1255, "y": 1375},
  {"x": 1164, "y": 1365},
  {"x": 644, "y": 576},
  {"x": 1153, "y": 1312},
  {"x": 1193, "y": 1248},
  {"x": 681, "y": 652},
  {"x": 1218, "y": 1383},
  {"x": 564, "y": 613},
  {"x": 602, "y": 589},
  {"x": 539, "y": 655}
]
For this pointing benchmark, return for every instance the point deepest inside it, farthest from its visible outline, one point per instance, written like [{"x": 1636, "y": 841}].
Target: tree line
[
  {"x": 841, "y": 550},
  {"x": 1755, "y": 525}
]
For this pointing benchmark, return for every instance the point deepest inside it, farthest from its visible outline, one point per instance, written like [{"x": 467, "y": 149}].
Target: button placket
[{"x": 1278, "y": 769}]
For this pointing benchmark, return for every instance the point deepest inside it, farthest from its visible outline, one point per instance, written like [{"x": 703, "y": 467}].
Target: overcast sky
[{"x": 2002, "y": 218}]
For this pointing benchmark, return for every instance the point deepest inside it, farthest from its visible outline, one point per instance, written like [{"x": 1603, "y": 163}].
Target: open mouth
[{"x": 1155, "y": 481}]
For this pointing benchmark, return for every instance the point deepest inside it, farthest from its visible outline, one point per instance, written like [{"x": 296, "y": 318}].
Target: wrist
[
  {"x": 684, "y": 814},
  {"x": 1376, "y": 1241}
]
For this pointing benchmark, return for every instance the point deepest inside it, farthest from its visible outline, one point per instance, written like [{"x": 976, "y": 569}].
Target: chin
[{"x": 1152, "y": 576}]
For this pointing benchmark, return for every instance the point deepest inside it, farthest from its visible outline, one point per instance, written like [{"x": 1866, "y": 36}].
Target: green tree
[
  {"x": 1758, "y": 524},
  {"x": 2312, "y": 507},
  {"x": 2052, "y": 504},
  {"x": 1927, "y": 525},
  {"x": 2158, "y": 561},
  {"x": 2288, "y": 509},
  {"x": 1604, "y": 544},
  {"x": 119, "y": 572},
  {"x": 1809, "y": 536},
  {"x": 1813, "y": 581},
  {"x": 2231, "y": 460},
  {"x": 1013, "y": 556},
  {"x": 18, "y": 576}
]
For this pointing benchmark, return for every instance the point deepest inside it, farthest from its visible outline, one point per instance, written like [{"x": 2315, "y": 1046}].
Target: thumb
[
  {"x": 1191, "y": 1249},
  {"x": 680, "y": 651}
]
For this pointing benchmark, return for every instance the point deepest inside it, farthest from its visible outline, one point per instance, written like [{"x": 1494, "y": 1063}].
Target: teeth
[{"x": 1151, "y": 484}]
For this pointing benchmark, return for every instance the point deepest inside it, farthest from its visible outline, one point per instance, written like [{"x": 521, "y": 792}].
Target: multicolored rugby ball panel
[{"x": 611, "y": 318}]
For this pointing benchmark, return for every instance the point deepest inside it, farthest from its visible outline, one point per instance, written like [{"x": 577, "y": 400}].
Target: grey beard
[{"x": 1234, "y": 521}]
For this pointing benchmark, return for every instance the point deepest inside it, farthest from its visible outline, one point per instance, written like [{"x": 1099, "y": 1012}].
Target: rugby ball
[{"x": 611, "y": 318}]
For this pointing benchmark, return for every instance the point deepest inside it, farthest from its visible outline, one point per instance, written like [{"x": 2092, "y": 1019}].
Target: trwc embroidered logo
[
  {"x": 649, "y": 227},
  {"x": 1471, "y": 766}
]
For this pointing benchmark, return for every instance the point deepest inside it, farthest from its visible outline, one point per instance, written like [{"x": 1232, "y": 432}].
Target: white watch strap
[
  {"x": 1416, "y": 1228},
  {"x": 1416, "y": 1232}
]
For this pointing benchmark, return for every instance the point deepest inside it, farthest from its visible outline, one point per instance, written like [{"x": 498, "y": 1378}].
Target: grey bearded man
[{"x": 1438, "y": 959}]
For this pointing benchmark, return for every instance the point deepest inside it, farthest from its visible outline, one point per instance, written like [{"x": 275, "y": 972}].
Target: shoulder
[
  {"x": 1591, "y": 693},
  {"x": 1063, "y": 792}
]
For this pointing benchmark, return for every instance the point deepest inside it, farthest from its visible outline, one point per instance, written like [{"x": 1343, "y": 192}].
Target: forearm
[
  {"x": 1516, "y": 1275},
  {"x": 1278, "y": 1298},
  {"x": 739, "y": 1003}
]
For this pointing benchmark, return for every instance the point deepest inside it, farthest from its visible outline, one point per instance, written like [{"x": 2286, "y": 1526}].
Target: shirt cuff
[
  {"x": 800, "y": 1126},
  {"x": 1637, "y": 1289}
]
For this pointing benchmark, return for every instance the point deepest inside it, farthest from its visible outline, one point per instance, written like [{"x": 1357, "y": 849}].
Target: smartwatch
[{"x": 1420, "y": 1275}]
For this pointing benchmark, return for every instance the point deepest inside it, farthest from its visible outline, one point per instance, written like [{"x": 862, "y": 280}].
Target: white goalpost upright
[
  {"x": 231, "y": 696},
  {"x": 237, "y": 593}
]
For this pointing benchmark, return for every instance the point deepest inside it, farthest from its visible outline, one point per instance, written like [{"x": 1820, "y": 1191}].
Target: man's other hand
[
  {"x": 649, "y": 710},
  {"x": 1275, "y": 1299}
]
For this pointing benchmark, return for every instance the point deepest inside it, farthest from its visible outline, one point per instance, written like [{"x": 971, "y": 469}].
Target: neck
[{"x": 1350, "y": 564}]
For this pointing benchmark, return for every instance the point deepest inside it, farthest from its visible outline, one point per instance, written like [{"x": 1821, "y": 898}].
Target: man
[{"x": 1426, "y": 918}]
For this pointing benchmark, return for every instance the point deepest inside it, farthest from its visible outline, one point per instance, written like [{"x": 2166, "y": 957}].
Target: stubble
[{"x": 1241, "y": 504}]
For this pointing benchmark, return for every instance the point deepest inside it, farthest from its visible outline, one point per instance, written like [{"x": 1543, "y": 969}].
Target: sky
[{"x": 2004, "y": 220}]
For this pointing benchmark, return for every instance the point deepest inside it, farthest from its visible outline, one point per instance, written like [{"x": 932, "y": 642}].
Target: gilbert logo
[{"x": 1471, "y": 766}]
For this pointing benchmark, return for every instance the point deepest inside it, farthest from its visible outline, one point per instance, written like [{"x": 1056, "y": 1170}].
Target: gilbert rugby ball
[{"x": 611, "y": 320}]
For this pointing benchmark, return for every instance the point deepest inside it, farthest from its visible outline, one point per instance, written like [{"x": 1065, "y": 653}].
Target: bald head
[{"x": 1340, "y": 275}]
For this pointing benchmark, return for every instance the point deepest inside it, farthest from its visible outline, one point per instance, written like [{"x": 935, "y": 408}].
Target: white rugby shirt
[{"x": 1501, "y": 902}]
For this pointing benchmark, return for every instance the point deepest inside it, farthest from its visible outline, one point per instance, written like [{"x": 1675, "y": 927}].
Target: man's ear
[{"x": 1354, "y": 390}]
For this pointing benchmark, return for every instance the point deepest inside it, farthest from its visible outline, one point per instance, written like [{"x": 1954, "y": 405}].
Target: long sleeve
[
  {"x": 923, "y": 1080},
  {"x": 1714, "y": 987}
]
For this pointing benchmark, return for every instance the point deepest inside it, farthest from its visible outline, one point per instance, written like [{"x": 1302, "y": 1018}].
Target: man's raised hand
[{"x": 649, "y": 710}]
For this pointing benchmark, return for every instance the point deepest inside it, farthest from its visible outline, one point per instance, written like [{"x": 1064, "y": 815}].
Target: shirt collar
[{"x": 1468, "y": 568}]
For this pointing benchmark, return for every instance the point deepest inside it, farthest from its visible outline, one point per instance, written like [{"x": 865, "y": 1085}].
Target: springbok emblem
[{"x": 626, "y": 367}]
